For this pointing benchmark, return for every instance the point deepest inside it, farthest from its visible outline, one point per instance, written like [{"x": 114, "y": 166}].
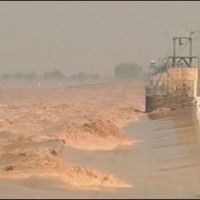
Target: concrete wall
[{"x": 177, "y": 87}]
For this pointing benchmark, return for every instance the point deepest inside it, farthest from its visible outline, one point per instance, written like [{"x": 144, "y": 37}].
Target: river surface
[{"x": 163, "y": 163}]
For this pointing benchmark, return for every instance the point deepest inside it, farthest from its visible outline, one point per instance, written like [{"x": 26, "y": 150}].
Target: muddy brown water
[{"x": 164, "y": 163}]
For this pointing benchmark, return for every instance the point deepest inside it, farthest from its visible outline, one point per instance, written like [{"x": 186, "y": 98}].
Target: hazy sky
[{"x": 89, "y": 36}]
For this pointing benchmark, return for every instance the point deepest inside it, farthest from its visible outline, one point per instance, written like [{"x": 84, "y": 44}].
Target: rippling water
[{"x": 164, "y": 163}]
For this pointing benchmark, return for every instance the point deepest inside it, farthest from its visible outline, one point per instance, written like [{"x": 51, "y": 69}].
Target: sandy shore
[{"x": 83, "y": 117}]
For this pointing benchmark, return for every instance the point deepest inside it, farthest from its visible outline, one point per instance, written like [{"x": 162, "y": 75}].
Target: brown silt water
[{"x": 163, "y": 163}]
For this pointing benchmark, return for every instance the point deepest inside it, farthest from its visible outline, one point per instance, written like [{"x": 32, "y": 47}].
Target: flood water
[{"x": 164, "y": 163}]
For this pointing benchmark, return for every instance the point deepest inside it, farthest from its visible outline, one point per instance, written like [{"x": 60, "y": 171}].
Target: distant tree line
[
  {"x": 122, "y": 71},
  {"x": 82, "y": 76},
  {"x": 128, "y": 71},
  {"x": 49, "y": 75}
]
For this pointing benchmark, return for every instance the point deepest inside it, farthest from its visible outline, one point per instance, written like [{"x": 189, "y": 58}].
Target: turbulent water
[
  {"x": 163, "y": 163},
  {"x": 38, "y": 124}
]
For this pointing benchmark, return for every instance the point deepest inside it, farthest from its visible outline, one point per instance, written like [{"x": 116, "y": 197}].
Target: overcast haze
[{"x": 89, "y": 36}]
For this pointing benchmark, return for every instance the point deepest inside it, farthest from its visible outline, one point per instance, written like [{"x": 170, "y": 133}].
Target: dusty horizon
[{"x": 89, "y": 36}]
